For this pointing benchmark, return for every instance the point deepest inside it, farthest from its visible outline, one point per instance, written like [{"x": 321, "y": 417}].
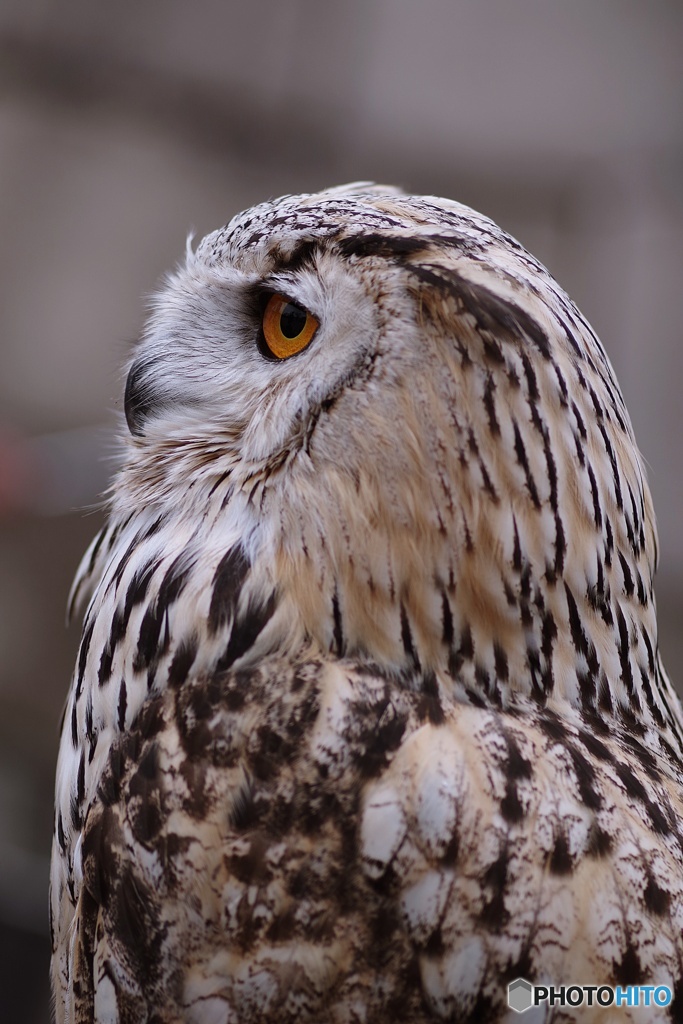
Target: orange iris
[{"x": 287, "y": 327}]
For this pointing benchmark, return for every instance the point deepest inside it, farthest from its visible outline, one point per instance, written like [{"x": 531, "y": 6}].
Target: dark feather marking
[
  {"x": 487, "y": 482},
  {"x": 492, "y": 350},
  {"x": 104, "y": 670},
  {"x": 220, "y": 480},
  {"x": 646, "y": 759},
  {"x": 613, "y": 462},
  {"x": 579, "y": 421},
  {"x": 245, "y": 631},
  {"x": 490, "y": 405},
  {"x": 447, "y": 632},
  {"x": 148, "y": 639},
  {"x": 510, "y": 806},
  {"x": 599, "y": 842},
  {"x": 629, "y": 970},
  {"x": 624, "y": 646},
  {"x": 630, "y": 717},
  {"x": 515, "y": 767},
  {"x": 138, "y": 587},
  {"x": 182, "y": 662},
  {"x": 513, "y": 378},
  {"x": 226, "y": 587},
  {"x": 629, "y": 586},
  {"x": 532, "y": 390},
  {"x": 560, "y": 547},
  {"x": 152, "y": 528},
  {"x": 562, "y": 384},
  {"x": 609, "y": 543},
  {"x": 660, "y": 821},
  {"x": 525, "y": 612},
  {"x": 493, "y": 914},
  {"x": 476, "y": 699},
  {"x": 548, "y": 636},
  {"x": 146, "y": 813},
  {"x": 117, "y": 630},
  {"x": 569, "y": 335},
  {"x": 61, "y": 838},
  {"x": 173, "y": 583},
  {"x": 585, "y": 777},
  {"x": 595, "y": 746},
  {"x": 337, "y": 630},
  {"x": 466, "y": 643},
  {"x": 77, "y": 797},
  {"x": 657, "y": 900},
  {"x": 561, "y": 861},
  {"x": 463, "y": 653},
  {"x": 634, "y": 519},
  {"x": 604, "y": 696},
  {"x": 80, "y": 783},
  {"x": 578, "y": 444},
  {"x": 83, "y": 655},
  {"x": 560, "y": 544},
  {"x": 483, "y": 681},
  {"x": 520, "y": 452},
  {"x": 123, "y": 703},
  {"x": 597, "y": 404},
  {"x": 381, "y": 732},
  {"x": 553, "y": 726},
  {"x": 90, "y": 733},
  {"x": 429, "y": 705},
  {"x": 125, "y": 558},
  {"x": 397, "y": 247},
  {"x": 579, "y": 638},
  {"x": 74, "y": 725},
  {"x": 599, "y": 597},
  {"x": 156, "y": 616},
  {"x": 586, "y": 687},
  {"x": 407, "y": 639},
  {"x": 501, "y": 663},
  {"x": 500, "y": 318},
  {"x": 650, "y": 699},
  {"x": 640, "y": 586},
  {"x": 517, "y": 551},
  {"x": 632, "y": 784}
]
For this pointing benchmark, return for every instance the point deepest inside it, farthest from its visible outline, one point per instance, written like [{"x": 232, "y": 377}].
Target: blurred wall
[{"x": 124, "y": 126}]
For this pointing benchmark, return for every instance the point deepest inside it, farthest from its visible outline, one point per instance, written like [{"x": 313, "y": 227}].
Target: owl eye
[{"x": 286, "y": 328}]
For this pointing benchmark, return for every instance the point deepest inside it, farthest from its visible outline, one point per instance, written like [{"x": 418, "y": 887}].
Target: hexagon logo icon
[{"x": 520, "y": 995}]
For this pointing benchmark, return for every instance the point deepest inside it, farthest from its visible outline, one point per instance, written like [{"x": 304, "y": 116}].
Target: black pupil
[{"x": 292, "y": 320}]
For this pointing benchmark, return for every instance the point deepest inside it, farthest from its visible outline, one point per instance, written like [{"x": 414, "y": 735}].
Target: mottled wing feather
[{"x": 304, "y": 842}]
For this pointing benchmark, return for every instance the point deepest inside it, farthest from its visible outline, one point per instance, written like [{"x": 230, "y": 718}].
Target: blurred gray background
[{"x": 124, "y": 126}]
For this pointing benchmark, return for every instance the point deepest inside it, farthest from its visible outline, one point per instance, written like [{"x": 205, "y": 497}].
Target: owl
[{"x": 368, "y": 719}]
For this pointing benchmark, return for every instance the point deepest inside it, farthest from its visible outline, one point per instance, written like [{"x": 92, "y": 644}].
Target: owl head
[{"x": 418, "y": 438}]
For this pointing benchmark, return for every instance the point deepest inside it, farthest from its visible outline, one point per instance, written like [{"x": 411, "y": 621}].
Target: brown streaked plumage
[{"x": 368, "y": 718}]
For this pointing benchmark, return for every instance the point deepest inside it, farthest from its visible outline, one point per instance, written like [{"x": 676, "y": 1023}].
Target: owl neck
[
  {"x": 474, "y": 604},
  {"x": 233, "y": 572}
]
